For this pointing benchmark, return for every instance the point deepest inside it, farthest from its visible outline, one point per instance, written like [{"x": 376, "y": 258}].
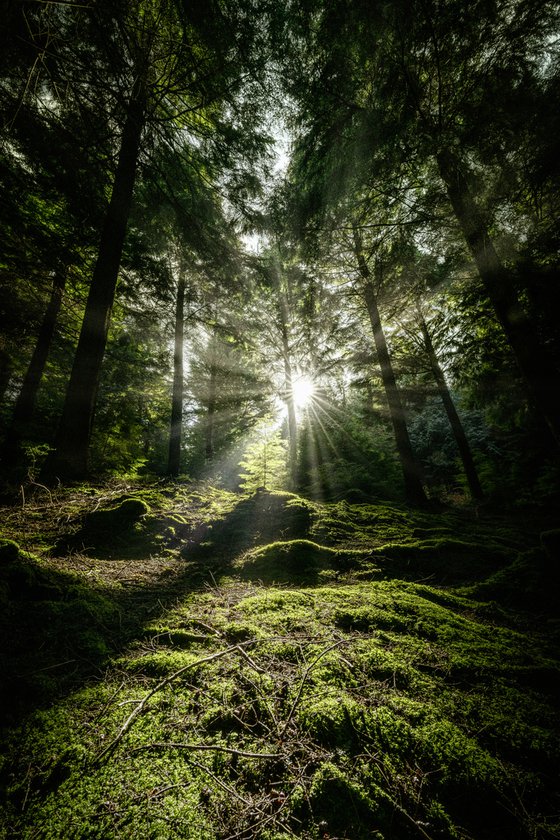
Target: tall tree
[
  {"x": 26, "y": 399},
  {"x": 181, "y": 70},
  {"x": 382, "y": 102},
  {"x": 413, "y": 488},
  {"x": 174, "y": 458},
  {"x": 451, "y": 412}
]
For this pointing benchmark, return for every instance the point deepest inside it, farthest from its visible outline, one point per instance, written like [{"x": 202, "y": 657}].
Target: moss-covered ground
[{"x": 183, "y": 662}]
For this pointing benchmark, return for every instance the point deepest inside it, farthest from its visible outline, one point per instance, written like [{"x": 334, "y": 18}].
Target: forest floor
[{"x": 183, "y": 662}]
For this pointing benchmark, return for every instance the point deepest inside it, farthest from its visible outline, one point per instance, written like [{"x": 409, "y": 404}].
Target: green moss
[
  {"x": 457, "y": 758},
  {"x": 359, "y": 710},
  {"x": 293, "y": 560},
  {"x": 158, "y": 664},
  {"x": 126, "y": 513},
  {"x": 333, "y": 721},
  {"x": 345, "y": 808}
]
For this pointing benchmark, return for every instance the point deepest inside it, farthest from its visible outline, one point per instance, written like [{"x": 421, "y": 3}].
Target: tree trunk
[
  {"x": 25, "y": 403},
  {"x": 174, "y": 460},
  {"x": 70, "y": 458},
  {"x": 452, "y": 415},
  {"x": 413, "y": 489},
  {"x": 211, "y": 401},
  {"x": 5, "y": 372},
  {"x": 290, "y": 402},
  {"x": 538, "y": 370}
]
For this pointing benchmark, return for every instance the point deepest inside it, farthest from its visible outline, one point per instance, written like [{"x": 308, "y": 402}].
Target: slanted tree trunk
[
  {"x": 25, "y": 402},
  {"x": 174, "y": 459},
  {"x": 535, "y": 364},
  {"x": 452, "y": 415},
  {"x": 70, "y": 458},
  {"x": 413, "y": 488}
]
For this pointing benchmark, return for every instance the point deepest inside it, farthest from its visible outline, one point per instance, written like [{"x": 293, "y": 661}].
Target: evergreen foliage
[{"x": 281, "y": 281}]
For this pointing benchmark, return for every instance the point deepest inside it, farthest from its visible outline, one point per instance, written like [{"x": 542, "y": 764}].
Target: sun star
[{"x": 303, "y": 390}]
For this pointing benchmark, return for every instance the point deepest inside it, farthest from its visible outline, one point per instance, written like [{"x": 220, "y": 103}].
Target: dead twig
[
  {"x": 304, "y": 680},
  {"x": 142, "y": 703},
  {"x": 178, "y": 745}
]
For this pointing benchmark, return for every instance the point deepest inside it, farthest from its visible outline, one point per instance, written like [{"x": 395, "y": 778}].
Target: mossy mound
[
  {"x": 52, "y": 625},
  {"x": 104, "y": 526},
  {"x": 326, "y": 706},
  {"x": 446, "y": 559},
  {"x": 9, "y": 551},
  {"x": 531, "y": 582},
  {"x": 359, "y": 712},
  {"x": 22, "y": 576},
  {"x": 296, "y": 560},
  {"x": 125, "y": 514},
  {"x": 260, "y": 519},
  {"x": 443, "y": 560}
]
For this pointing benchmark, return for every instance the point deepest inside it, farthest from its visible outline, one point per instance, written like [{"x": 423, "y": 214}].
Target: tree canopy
[{"x": 165, "y": 272}]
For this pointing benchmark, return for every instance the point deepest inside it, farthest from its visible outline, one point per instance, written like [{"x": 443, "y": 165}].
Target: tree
[
  {"x": 413, "y": 488},
  {"x": 391, "y": 107},
  {"x": 174, "y": 459},
  {"x": 181, "y": 70},
  {"x": 452, "y": 415},
  {"x": 26, "y": 399},
  {"x": 264, "y": 462}
]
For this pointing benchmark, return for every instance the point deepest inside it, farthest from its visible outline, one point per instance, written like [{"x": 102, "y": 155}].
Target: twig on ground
[
  {"x": 204, "y": 747},
  {"x": 142, "y": 703},
  {"x": 304, "y": 680}
]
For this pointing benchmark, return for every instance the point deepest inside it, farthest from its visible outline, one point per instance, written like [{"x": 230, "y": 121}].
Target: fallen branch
[
  {"x": 142, "y": 703},
  {"x": 251, "y": 662},
  {"x": 178, "y": 745}
]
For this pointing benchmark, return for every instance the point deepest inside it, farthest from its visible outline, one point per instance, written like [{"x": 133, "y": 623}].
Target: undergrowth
[{"x": 272, "y": 668}]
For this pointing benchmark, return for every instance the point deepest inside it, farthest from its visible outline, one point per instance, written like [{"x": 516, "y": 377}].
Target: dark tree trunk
[
  {"x": 5, "y": 372},
  {"x": 25, "y": 403},
  {"x": 414, "y": 491},
  {"x": 452, "y": 415},
  {"x": 535, "y": 364},
  {"x": 174, "y": 460},
  {"x": 70, "y": 458}
]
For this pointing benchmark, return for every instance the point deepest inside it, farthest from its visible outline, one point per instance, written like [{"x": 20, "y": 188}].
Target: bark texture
[
  {"x": 289, "y": 378},
  {"x": 211, "y": 402}
]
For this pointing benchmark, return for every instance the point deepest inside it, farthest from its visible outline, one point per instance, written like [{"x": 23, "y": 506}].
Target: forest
[{"x": 279, "y": 419}]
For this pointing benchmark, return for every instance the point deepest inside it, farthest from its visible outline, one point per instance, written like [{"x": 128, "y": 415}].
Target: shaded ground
[{"x": 181, "y": 662}]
